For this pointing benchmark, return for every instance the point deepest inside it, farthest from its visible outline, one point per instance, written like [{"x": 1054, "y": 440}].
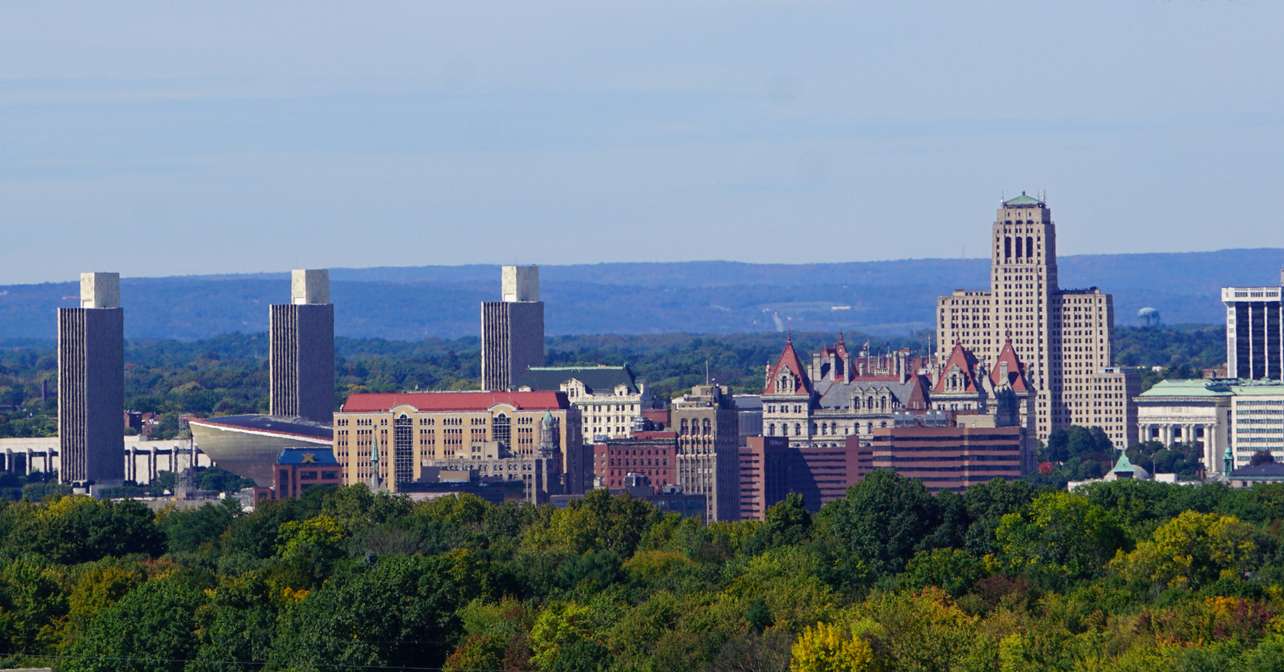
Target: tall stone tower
[
  {"x": 1062, "y": 336},
  {"x": 91, "y": 383},
  {"x": 512, "y": 329},
  {"x": 301, "y": 349},
  {"x": 1023, "y": 282}
]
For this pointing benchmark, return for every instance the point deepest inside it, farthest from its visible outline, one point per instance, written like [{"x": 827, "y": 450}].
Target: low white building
[
  {"x": 1244, "y": 416},
  {"x": 143, "y": 459}
]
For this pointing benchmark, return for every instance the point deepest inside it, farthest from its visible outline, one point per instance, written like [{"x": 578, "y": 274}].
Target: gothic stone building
[{"x": 823, "y": 411}]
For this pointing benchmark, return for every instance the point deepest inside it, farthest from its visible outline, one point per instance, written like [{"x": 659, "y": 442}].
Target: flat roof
[
  {"x": 1212, "y": 388},
  {"x": 368, "y": 402}
]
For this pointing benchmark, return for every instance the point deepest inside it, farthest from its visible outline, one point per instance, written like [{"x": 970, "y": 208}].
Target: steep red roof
[
  {"x": 1015, "y": 370},
  {"x": 788, "y": 361},
  {"x": 368, "y": 402},
  {"x": 918, "y": 398},
  {"x": 966, "y": 362}
]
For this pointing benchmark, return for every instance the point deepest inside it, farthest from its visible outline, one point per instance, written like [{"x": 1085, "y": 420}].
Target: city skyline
[{"x": 577, "y": 134}]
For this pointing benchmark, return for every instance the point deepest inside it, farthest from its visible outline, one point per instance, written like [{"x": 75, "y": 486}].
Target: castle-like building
[
  {"x": 1063, "y": 336},
  {"x": 845, "y": 395},
  {"x": 823, "y": 404}
]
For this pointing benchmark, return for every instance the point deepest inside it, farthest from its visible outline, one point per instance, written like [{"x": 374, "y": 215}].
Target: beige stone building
[
  {"x": 417, "y": 430},
  {"x": 707, "y": 424},
  {"x": 1062, "y": 336},
  {"x": 608, "y": 398}
]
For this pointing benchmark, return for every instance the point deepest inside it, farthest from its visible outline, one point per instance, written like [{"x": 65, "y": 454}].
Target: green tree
[
  {"x": 1192, "y": 551},
  {"x": 878, "y": 526},
  {"x": 148, "y": 630},
  {"x": 1059, "y": 536},
  {"x": 568, "y": 637},
  {"x": 399, "y": 612}
]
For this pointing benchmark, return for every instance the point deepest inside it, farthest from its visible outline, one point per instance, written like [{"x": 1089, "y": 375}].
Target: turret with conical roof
[{"x": 548, "y": 434}]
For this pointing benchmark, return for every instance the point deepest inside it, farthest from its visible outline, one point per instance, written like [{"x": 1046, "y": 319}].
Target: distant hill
[{"x": 882, "y": 297}]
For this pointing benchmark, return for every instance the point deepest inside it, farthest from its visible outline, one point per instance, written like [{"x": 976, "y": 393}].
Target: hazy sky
[{"x": 167, "y": 137}]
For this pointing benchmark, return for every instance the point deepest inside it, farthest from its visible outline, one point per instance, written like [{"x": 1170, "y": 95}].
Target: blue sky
[{"x": 159, "y": 138}]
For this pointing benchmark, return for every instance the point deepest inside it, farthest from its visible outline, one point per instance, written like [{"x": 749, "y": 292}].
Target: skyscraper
[
  {"x": 1062, "y": 335},
  {"x": 91, "y": 383},
  {"x": 301, "y": 349},
  {"x": 1254, "y": 339},
  {"x": 512, "y": 329}
]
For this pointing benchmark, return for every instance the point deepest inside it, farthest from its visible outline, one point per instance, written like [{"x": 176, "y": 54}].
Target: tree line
[{"x": 1007, "y": 577}]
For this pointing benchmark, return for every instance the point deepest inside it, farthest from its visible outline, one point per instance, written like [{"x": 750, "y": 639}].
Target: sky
[{"x": 162, "y": 138}]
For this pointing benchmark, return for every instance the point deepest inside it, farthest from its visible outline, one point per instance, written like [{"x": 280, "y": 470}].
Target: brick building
[
  {"x": 771, "y": 468},
  {"x": 946, "y": 457},
  {"x": 301, "y": 469},
  {"x": 651, "y": 454}
]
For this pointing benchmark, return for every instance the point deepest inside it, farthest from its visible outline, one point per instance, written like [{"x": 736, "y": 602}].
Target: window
[{"x": 502, "y": 431}]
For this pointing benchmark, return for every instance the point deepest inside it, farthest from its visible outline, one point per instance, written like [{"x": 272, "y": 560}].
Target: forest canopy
[{"x": 1127, "y": 575}]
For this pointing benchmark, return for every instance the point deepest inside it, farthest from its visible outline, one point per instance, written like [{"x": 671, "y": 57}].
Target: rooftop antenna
[{"x": 706, "y": 370}]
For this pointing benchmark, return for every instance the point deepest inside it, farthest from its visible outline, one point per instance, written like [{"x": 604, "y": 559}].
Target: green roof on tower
[{"x": 1022, "y": 200}]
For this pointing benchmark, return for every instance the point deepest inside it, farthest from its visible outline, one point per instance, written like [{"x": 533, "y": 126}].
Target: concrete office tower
[
  {"x": 1254, "y": 338},
  {"x": 301, "y": 349},
  {"x": 1062, "y": 335},
  {"x": 512, "y": 329},
  {"x": 91, "y": 383}
]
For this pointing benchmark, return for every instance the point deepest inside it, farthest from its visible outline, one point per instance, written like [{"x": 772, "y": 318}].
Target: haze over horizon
[{"x": 158, "y": 140}]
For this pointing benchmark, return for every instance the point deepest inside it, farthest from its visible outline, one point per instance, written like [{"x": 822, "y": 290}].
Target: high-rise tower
[
  {"x": 301, "y": 349},
  {"x": 512, "y": 329},
  {"x": 91, "y": 383},
  {"x": 1062, "y": 336}
]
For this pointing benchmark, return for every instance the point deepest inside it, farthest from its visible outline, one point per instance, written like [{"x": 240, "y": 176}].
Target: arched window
[
  {"x": 797, "y": 429},
  {"x": 1018, "y": 247},
  {"x": 771, "y": 429},
  {"x": 706, "y": 427},
  {"x": 1029, "y": 246},
  {"x": 683, "y": 429},
  {"x": 1007, "y": 247}
]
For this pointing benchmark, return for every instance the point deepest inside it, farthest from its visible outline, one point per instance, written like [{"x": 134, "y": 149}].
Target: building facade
[
  {"x": 1254, "y": 338},
  {"x": 1193, "y": 412},
  {"x": 823, "y": 413},
  {"x": 301, "y": 349},
  {"x": 416, "y": 430},
  {"x": 1228, "y": 420},
  {"x": 512, "y": 329},
  {"x": 1062, "y": 336},
  {"x": 651, "y": 454},
  {"x": 771, "y": 468},
  {"x": 143, "y": 459},
  {"x": 951, "y": 458},
  {"x": 301, "y": 469},
  {"x": 707, "y": 425},
  {"x": 91, "y": 383},
  {"x": 609, "y": 398}
]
